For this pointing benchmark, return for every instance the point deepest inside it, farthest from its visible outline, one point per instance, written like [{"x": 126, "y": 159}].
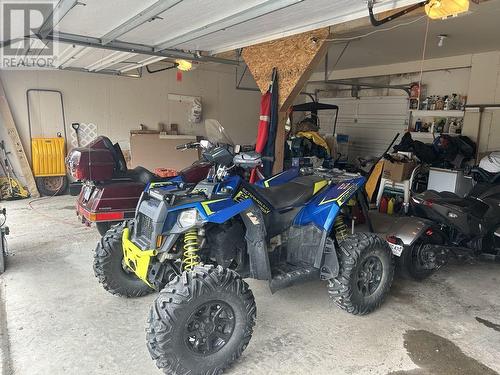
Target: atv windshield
[{"x": 216, "y": 133}]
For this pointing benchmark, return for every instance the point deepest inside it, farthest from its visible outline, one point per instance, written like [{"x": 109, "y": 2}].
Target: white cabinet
[{"x": 449, "y": 180}]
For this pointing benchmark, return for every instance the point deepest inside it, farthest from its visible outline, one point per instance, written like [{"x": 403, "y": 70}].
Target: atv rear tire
[
  {"x": 365, "y": 275},
  {"x": 201, "y": 322},
  {"x": 104, "y": 226},
  {"x": 109, "y": 268}
]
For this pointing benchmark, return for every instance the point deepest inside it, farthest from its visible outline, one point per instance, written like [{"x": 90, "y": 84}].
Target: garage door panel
[
  {"x": 384, "y": 109},
  {"x": 373, "y": 121},
  {"x": 370, "y": 122},
  {"x": 367, "y": 132}
]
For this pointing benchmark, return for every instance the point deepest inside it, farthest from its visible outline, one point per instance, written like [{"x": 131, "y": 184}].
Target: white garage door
[{"x": 370, "y": 122}]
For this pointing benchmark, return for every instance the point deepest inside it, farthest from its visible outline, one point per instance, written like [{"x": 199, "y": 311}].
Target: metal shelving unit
[{"x": 424, "y": 113}]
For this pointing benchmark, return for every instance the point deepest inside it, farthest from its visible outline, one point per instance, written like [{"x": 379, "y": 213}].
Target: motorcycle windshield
[{"x": 216, "y": 133}]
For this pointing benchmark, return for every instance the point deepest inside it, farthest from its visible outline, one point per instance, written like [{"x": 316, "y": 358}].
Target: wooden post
[
  {"x": 279, "y": 146},
  {"x": 294, "y": 57},
  {"x": 10, "y": 125}
]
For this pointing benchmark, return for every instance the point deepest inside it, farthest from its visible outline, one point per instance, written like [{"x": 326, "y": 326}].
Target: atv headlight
[{"x": 188, "y": 218}]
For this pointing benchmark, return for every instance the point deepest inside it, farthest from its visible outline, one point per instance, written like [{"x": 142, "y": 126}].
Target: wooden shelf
[
  {"x": 422, "y": 134},
  {"x": 430, "y": 135},
  {"x": 421, "y": 113},
  {"x": 177, "y": 136}
]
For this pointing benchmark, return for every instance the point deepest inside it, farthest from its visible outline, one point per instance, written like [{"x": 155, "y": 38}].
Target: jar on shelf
[{"x": 439, "y": 104}]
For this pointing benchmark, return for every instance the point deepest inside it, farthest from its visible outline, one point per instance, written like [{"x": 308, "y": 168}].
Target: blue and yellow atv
[{"x": 197, "y": 244}]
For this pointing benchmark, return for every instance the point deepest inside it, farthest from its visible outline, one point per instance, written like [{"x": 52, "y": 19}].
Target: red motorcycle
[{"x": 109, "y": 191}]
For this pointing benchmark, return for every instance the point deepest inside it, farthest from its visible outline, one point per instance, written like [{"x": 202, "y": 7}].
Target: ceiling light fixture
[
  {"x": 440, "y": 9},
  {"x": 184, "y": 65}
]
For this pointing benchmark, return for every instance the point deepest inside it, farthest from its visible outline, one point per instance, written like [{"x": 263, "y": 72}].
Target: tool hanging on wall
[
  {"x": 76, "y": 128},
  {"x": 47, "y": 155},
  {"x": 87, "y": 132}
]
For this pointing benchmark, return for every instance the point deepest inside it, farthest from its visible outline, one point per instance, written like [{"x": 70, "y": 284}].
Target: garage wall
[
  {"x": 484, "y": 89},
  {"x": 440, "y": 82},
  {"x": 477, "y": 75},
  {"x": 118, "y": 104}
]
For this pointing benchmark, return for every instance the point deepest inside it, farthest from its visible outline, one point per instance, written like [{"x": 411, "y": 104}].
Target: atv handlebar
[
  {"x": 187, "y": 146},
  {"x": 485, "y": 176}
]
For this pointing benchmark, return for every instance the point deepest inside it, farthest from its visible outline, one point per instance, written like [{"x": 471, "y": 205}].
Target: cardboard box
[
  {"x": 158, "y": 151},
  {"x": 399, "y": 171}
]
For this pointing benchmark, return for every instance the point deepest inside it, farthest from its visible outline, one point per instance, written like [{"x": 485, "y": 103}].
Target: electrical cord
[
  {"x": 375, "y": 31},
  {"x": 424, "y": 50},
  {"x": 341, "y": 55},
  {"x": 31, "y": 207}
]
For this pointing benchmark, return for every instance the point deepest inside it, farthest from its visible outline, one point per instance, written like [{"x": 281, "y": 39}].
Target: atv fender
[
  {"x": 408, "y": 229},
  {"x": 225, "y": 214},
  {"x": 330, "y": 266},
  {"x": 255, "y": 236}
]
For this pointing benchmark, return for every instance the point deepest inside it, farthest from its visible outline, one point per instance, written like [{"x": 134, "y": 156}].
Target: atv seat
[
  {"x": 144, "y": 176},
  {"x": 291, "y": 194},
  {"x": 482, "y": 175},
  {"x": 468, "y": 205},
  {"x": 443, "y": 195}
]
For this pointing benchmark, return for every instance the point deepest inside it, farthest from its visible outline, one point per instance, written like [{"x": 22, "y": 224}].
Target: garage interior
[{"x": 359, "y": 133}]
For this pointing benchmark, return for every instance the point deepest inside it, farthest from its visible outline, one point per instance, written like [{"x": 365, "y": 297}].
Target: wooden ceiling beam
[{"x": 294, "y": 57}]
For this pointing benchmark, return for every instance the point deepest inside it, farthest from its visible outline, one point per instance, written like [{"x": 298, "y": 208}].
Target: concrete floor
[{"x": 56, "y": 319}]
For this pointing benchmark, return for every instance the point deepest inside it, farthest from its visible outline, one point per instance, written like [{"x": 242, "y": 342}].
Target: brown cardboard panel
[{"x": 150, "y": 151}]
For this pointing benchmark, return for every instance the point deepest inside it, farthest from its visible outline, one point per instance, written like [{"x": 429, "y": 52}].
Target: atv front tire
[
  {"x": 110, "y": 269},
  {"x": 201, "y": 322},
  {"x": 365, "y": 275}
]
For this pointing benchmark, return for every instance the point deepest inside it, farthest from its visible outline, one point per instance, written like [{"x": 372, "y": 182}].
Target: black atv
[{"x": 445, "y": 225}]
